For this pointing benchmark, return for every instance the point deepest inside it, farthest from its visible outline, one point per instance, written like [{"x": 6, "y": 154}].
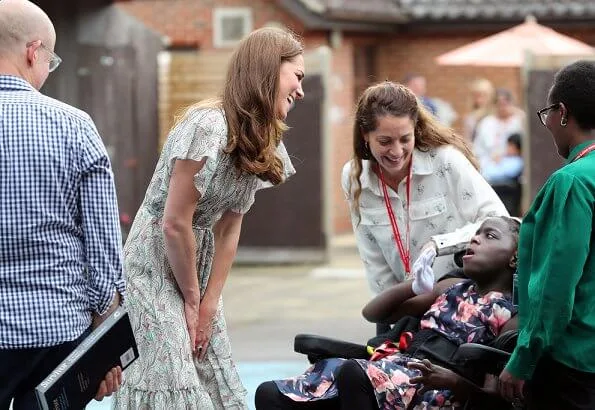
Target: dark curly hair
[
  {"x": 514, "y": 225},
  {"x": 574, "y": 85}
]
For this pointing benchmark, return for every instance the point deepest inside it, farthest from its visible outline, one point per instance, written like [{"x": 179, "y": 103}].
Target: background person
[
  {"x": 493, "y": 130},
  {"x": 482, "y": 104},
  {"x": 418, "y": 85},
  {"x": 509, "y": 167}
]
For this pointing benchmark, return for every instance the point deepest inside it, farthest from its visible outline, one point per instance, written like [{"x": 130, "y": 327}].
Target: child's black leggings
[{"x": 355, "y": 392}]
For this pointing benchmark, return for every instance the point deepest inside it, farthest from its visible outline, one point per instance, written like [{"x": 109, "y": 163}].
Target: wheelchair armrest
[
  {"x": 321, "y": 347},
  {"x": 480, "y": 358}
]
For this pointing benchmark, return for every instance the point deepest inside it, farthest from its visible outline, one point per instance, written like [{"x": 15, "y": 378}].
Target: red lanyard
[
  {"x": 584, "y": 152},
  {"x": 404, "y": 253}
]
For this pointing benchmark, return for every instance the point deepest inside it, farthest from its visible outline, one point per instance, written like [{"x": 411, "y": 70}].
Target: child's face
[{"x": 490, "y": 250}]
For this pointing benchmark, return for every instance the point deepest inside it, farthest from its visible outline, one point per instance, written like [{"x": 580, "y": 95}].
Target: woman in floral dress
[
  {"x": 473, "y": 310},
  {"x": 185, "y": 235}
]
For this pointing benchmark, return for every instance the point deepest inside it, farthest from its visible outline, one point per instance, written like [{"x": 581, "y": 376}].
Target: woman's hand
[
  {"x": 191, "y": 314},
  {"x": 510, "y": 387},
  {"x": 422, "y": 273},
  {"x": 433, "y": 377},
  {"x": 205, "y": 328}
]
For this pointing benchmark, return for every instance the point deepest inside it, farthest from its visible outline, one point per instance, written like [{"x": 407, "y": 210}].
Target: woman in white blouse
[{"x": 413, "y": 188}]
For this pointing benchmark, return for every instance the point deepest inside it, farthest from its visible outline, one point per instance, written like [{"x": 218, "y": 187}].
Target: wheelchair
[
  {"x": 469, "y": 360},
  {"x": 510, "y": 193}
]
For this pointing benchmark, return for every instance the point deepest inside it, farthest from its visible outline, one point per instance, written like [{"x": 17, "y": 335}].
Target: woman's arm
[
  {"x": 399, "y": 300},
  {"x": 180, "y": 244},
  {"x": 227, "y": 234}
]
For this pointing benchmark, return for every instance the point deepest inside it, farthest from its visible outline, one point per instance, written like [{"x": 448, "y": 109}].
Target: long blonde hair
[
  {"x": 388, "y": 98},
  {"x": 249, "y": 101}
]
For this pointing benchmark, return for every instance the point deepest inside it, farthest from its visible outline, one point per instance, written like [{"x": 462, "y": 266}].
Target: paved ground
[{"x": 266, "y": 306}]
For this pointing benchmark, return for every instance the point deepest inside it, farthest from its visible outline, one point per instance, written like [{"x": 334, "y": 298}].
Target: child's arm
[
  {"x": 399, "y": 300},
  {"x": 434, "y": 377}
]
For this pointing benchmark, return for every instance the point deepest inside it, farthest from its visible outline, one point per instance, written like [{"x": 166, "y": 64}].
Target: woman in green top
[{"x": 555, "y": 352}]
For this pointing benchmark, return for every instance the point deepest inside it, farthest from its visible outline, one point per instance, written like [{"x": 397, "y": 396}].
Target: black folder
[{"x": 75, "y": 381}]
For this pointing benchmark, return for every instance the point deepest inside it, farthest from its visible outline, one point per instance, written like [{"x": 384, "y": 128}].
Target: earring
[
  {"x": 513, "y": 262},
  {"x": 564, "y": 121},
  {"x": 367, "y": 154}
]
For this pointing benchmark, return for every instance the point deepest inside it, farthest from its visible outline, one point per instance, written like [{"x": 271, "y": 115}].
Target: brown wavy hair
[
  {"x": 249, "y": 99},
  {"x": 389, "y": 98}
]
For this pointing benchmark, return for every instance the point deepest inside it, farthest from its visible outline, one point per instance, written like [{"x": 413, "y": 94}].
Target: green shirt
[{"x": 556, "y": 267}]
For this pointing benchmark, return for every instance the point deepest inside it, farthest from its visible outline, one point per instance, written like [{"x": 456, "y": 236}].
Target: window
[{"x": 231, "y": 25}]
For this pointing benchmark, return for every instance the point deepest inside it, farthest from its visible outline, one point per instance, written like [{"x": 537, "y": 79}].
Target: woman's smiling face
[
  {"x": 392, "y": 143},
  {"x": 290, "y": 85}
]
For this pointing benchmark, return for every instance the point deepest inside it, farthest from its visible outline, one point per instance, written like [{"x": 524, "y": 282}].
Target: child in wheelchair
[{"x": 453, "y": 311}]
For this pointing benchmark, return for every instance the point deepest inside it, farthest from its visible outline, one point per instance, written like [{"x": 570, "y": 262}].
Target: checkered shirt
[{"x": 60, "y": 240}]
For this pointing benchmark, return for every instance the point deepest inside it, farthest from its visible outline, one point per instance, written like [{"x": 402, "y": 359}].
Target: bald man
[{"x": 60, "y": 244}]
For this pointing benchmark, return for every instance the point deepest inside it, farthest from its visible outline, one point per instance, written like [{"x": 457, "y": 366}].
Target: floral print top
[
  {"x": 474, "y": 318},
  {"x": 449, "y": 199}
]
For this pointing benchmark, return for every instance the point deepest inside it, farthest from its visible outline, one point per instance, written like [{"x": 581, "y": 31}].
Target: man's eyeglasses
[
  {"x": 54, "y": 60},
  {"x": 543, "y": 113}
]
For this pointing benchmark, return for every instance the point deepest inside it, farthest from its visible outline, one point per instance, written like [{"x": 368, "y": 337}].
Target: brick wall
[
  {"x": 189, "y": 22},
  {"x": 408, "y": 54},
  {"x": 340, "y": 116},
  {"x": 190, "y": 75}
]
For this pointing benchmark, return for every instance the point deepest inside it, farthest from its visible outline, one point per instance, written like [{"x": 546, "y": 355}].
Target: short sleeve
[
  {"x": 202, "y": 134},
  {"x": 247, "y": 199}
]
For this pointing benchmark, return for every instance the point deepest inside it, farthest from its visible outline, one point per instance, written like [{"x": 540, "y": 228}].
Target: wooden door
[
  {"x": 106, "y": 90},
  {"x": 286, "y": 223}
]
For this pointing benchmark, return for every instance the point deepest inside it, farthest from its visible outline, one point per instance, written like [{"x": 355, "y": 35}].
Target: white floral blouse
[{"x": 449, "y": 199}]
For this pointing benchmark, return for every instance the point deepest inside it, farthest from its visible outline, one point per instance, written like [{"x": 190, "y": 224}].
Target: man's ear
[
  {"x": 32, "y": 52},
  {"x": 513, "y": 261}
]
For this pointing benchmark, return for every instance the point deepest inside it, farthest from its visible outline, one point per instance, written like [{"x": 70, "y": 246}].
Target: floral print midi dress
[{"x": 167, "y": 376}]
